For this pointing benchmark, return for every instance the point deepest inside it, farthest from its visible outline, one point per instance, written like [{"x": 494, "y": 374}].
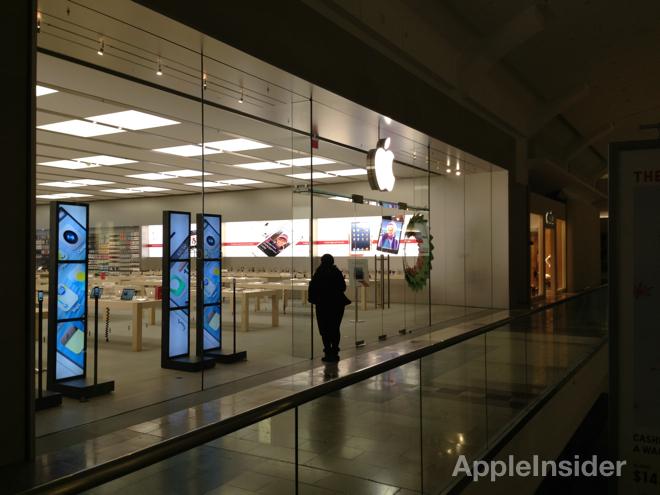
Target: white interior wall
[{"x": 470, "y": 263}]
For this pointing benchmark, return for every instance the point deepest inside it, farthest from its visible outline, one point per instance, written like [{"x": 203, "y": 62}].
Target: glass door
[{"x": 536, "y": 271}]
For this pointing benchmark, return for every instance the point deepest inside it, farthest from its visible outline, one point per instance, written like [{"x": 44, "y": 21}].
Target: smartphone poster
[
  {"x": 211, "y": 237},
  {"x": 211, "y": 282},
  {"x": 212, "y": 320},
  {"x": 70, "y": 349},
  {"x": 275, "y": 242},
  {"x": 71, "y": 290},
  {"x": 179, "y": 340},
  {"x": 72, "y": 227},
  {"x": 179, "y": 284},
  {"x": 389, "y": 237},
  {"x": 179, "y": 236}
]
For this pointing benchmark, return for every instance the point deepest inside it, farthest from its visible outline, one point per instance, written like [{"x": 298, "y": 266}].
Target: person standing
[{"x": 326, "y": 292}]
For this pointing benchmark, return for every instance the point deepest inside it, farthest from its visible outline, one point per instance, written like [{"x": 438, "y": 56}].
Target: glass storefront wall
[{"x": 134, "y": 125}]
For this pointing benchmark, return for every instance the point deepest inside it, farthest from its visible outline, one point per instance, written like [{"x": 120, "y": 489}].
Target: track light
[
  {"x": 458, "y": 168},
  {"x": 241, "y": 100},
  {"x": 159, "y": 70},
  {"x": 204, "y": 77},
  {"x": 38, "y": 21},
  {"x": 101, "y": 48},
  {"x": 448, "y": 165}
]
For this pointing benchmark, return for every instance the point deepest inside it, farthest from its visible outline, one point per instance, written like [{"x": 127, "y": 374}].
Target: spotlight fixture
[
  {"x": 159, "y": 69},
  {"x": 101, "y": 47},
  {"x": 241, "y": 99},
  {"x": 204, "y": 78},
  {"x": 38, "y": 21},
  {"x": 448, "y": 165},
  {"x": 458, "y": 168}
]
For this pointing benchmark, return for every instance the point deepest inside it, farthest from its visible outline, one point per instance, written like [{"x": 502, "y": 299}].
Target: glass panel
[
  {"x": 257, "y": 459},
  {"x": 549, "y": 259},
  {"x": 454, "y": 420},
  {"x": 537, "y": 270},
  {"x": 560, "y": 262},
  {"x": 100, "y": 140},
  {"x": 364, "y": 438}
]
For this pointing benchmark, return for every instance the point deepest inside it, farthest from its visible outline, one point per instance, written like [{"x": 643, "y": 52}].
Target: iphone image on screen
[
  {"x": 66, "y": 298},
  {"x": 72, "y": 234},
  {"x": 73, "y": 339}
]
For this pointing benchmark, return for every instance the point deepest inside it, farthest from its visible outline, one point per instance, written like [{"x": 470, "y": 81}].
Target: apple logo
[{"x": 379, "y": 166}]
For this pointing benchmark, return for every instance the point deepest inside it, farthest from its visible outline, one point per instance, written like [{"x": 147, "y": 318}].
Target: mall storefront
[{"x": 136, "y": 132}]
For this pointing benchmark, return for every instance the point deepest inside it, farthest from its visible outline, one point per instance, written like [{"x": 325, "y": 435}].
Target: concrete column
[{"x": 17, "y": 133}]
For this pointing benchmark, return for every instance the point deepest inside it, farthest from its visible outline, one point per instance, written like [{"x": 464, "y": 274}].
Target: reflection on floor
[
  {"x": 397, "y": 433},
  {"x": 140, "y": 381}
]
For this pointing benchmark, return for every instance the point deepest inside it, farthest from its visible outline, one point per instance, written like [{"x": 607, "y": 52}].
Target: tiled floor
[
  {"x": 391, "y": 434},
  {"x": 140, "y": 382}
]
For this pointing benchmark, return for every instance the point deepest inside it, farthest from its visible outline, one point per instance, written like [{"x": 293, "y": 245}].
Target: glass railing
[{"x": 397, "y": 430}]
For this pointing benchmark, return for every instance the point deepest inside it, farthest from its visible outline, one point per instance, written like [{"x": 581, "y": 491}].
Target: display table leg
[
  {"x": 152, "y": 316},
  {"x": 257, "y": 304},
  {"x": 285, "y": 299},
  {"x": 245, "y": 311},
  {"x": 137, "y": 328},
  {"x": 304, "y": 298},
  {"x": 275, "y": 313},
  {"x": 363, "y": 298}
]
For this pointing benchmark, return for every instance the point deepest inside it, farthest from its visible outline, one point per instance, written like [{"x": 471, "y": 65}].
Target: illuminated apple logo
[{"x": 379, "y": 166}]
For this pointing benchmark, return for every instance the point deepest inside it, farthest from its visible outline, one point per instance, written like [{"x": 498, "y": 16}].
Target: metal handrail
[{"x": 124, "y": 465}]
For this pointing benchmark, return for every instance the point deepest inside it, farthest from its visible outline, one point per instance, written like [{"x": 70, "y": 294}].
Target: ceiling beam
[
  {"x": 587, "y": 141},
  {"x": 545, "y": 113},
  {"x": 475, "y": 63}
]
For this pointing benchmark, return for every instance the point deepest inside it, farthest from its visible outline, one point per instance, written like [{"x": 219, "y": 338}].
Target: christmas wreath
[{"x": 418, "y": 274}]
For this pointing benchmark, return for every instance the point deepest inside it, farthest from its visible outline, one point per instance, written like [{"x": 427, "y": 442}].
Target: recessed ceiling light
[
  {"x": 105, "y": 160},
  {"x": 80, "y": 128},
  {"x": 60, "y": 184},
  {"x": 91, "y": 182},
  {"x": 186, "y": 173},
  {"x": 348, "y": 172},
  {"x": 43, "y": 90},
  {"x": 238, "y": 144},
  {"x": 261, "y": 165},
  {"x": 208, "y": 183},
  {"x": 305, "y": 160},
  {"x": 132, "y": 120},
  {"x": 310, "y": 175},
  {"x": 135, "y": 190},
  {"x": 174, "y": 174},
  {"x": 62, "y": 196},
  {"x": 240, "y": 182},
  {"x": 121, "y": 191},
  {"x": 151, "y": 176},
  {"x": 187, "y": 150},
  {"x": 70, "y": 164}
]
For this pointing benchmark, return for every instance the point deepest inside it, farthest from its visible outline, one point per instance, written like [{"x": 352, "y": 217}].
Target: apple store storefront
[{"x": 184, "y": 200}]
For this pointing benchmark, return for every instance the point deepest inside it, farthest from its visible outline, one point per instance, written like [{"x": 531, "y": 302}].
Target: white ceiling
[{"x": 129, "y": 49}]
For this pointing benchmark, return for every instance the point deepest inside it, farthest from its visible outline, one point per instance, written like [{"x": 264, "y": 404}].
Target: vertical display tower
[
  {"x": 175, "y": 349},
  {"x": 209, "y": 291},
  {"x": 67, "y": 303}
]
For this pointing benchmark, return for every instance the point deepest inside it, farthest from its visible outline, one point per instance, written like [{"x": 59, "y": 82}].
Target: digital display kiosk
[
  {"x": 209, "y": 291},
  {"x": 175, "y": 350},
  {"x": 67, "y": 301}
]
